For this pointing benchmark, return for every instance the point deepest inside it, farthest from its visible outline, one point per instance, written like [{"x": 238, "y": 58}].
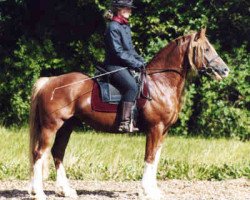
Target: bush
[{"x": 29, "y": 61}]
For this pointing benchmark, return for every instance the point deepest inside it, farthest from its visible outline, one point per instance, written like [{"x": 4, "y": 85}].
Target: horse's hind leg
[
  {"x": 58, "y": 151},
  {"x": 40, "y": 155}
]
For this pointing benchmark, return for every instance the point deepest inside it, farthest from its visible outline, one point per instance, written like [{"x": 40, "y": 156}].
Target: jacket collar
[{"x": 120, "y": 20}]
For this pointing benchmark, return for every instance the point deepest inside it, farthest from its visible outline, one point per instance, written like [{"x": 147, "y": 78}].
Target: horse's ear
[{"x": 201, "y": 34}]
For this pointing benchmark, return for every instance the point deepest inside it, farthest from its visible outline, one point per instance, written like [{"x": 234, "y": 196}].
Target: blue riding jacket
[{"x": 119, "y": 48}]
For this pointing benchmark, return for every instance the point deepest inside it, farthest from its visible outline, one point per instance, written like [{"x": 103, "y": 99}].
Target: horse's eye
[{"x": 207, "y": 49}]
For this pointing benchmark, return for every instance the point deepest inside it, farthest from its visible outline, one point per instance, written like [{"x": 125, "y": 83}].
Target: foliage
[
  {"x": 102, "y": 156},
  {"x": 22, "y": 69},
  {"x": 47, "y": 38}
]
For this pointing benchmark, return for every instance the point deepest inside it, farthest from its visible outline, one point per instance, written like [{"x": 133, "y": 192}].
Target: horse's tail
[{"x": 34, "y": 121}]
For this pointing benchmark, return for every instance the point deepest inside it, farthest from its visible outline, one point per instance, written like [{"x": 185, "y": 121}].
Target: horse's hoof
[
  {"x": 38, "y": 196},
  {"x": 71, "y": 193},
  {"x": 67, "y": 192},
  {"x": 153, "y": 194}
]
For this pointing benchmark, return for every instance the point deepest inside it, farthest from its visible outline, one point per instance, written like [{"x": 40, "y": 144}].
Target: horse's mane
[
  {"x": 178, "y": 43},
  {"x": 170, "y": 46}
]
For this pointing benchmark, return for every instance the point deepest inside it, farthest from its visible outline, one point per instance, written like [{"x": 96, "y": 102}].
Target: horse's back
[
  {"x": 69, "y": 81},
  {"x": 69, "y": 77}
]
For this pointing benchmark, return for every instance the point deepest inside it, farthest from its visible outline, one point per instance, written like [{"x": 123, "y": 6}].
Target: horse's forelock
[{"x": 195, "y": 53}]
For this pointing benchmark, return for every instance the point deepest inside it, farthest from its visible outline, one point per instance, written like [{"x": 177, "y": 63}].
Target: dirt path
[{"x": 173, "y": 190}]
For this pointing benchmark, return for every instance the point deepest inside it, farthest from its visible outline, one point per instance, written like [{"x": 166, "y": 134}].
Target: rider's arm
[{"x": 137, "y": 56}]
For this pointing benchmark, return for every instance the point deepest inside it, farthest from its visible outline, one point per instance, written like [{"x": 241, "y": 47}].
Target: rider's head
[{"x": 122, "y": 8}]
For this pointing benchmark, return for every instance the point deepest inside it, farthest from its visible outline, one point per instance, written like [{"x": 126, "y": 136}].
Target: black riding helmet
[{"x": 123, "y": 3}]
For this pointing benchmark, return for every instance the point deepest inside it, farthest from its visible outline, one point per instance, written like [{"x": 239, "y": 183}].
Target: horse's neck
[{"x": 171, "y": 57}]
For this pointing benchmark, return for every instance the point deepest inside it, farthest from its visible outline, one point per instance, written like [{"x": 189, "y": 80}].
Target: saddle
[{"x": 105, "y": 97}]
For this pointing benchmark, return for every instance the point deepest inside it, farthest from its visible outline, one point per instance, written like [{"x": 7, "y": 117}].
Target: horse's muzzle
[{"x": 222, "y": 71}]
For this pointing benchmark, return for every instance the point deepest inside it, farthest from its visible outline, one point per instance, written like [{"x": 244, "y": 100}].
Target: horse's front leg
[{"x": 153, "y": 150}]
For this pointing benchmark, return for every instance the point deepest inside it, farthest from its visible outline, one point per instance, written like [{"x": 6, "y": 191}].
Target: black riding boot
[{"x": 126, "y": 124}]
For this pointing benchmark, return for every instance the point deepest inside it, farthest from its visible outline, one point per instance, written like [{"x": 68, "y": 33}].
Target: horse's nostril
[{"x": 209, "y": 70}]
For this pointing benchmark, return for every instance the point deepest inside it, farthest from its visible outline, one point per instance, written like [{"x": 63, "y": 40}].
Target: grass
[{"x": 100, "y": 156}]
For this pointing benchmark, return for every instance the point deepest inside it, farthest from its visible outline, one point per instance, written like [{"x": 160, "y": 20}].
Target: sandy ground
[{"x": 173, "y": 190}]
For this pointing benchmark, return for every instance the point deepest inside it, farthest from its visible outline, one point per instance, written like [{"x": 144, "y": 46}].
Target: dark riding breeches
[{"x": 124, "y": 82}]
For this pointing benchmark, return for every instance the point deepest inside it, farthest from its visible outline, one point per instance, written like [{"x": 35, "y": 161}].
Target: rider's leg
[
  {"x": 126, "y": 124},
  {"x": 128, "y": 87}
]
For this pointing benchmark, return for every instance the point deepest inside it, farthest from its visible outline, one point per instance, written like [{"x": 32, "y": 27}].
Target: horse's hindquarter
[
  {"x": 70, "y": 95},
  {"x": 60, "y": 93}
]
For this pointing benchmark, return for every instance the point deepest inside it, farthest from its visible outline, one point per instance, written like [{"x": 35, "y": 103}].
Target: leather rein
[{"x": 156, "y": 71}]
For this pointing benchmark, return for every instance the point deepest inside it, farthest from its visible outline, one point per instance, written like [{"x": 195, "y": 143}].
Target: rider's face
[{"x": 125, "y": 12}]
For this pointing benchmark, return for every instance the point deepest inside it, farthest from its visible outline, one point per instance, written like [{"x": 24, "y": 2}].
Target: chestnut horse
[{"x": 51, "y": 120}]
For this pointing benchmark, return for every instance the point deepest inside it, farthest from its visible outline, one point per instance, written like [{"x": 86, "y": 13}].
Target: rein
[{"x": 176, "y": 70}]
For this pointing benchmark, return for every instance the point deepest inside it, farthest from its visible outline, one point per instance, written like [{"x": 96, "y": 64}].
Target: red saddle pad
[{"x": 100, "y": 106}]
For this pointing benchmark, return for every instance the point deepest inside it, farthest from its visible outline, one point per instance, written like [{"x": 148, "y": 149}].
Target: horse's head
[{"x": 204, "y": 59}]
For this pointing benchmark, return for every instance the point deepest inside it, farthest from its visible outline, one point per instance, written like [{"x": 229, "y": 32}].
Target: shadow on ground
[{"x": 24, "y": 194}]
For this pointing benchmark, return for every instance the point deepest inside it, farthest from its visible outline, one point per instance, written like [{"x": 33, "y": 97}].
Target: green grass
[{"x": 100, "y": 156}]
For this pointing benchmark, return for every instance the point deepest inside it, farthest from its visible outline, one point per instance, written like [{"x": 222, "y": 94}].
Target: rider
[{"x": 120, "y": 53}]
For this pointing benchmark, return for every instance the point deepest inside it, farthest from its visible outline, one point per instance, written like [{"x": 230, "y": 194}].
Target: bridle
[{"x": 208, "y": 68}]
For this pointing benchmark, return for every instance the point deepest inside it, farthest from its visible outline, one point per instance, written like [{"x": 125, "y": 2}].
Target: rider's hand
[
  {"x": 137, "y": 69},
  {"x": 140, "y": 66}
]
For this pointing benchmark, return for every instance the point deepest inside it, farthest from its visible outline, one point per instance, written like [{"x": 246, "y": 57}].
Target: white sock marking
[
  {"x": 149, "y": 182},
  {"x": 36, "y": 187},
  {"x": 63, "y": 184},
  {"x": 61, "y": 179}
]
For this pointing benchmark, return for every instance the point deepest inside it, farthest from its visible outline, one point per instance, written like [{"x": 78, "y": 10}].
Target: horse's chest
[
  {"x": 169, "y": 114},
  {"x": 164, "y": 109}
]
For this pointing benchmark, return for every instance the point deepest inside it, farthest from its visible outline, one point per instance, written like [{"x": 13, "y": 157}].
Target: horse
[{"x": 53, "y": 119}]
